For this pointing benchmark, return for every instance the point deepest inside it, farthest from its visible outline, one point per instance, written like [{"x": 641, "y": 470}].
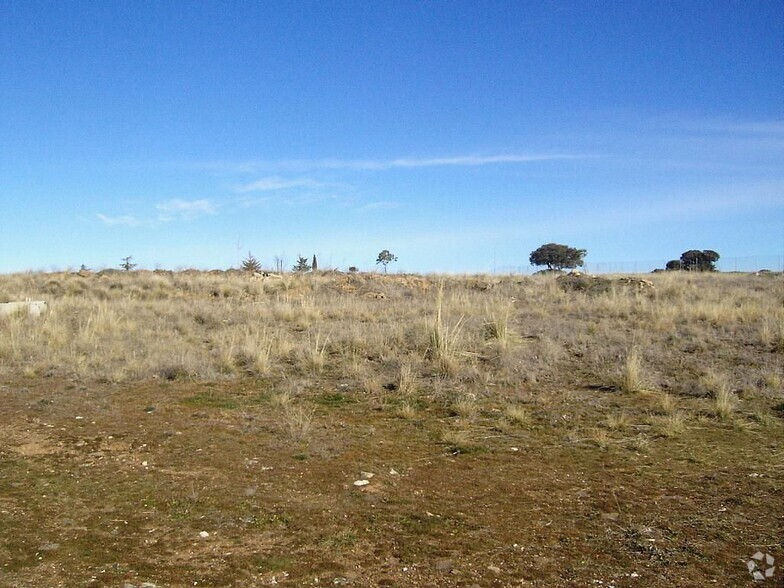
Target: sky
[{"x": 460, "y": 136}]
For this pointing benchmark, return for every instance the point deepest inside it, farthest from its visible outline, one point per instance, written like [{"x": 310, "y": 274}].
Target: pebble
[
  {"x": 204, "y": 534},
  {"x": 361, "y": 482}
]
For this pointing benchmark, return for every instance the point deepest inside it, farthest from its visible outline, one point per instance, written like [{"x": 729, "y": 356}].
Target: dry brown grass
[
  {"x": 631, "y": 379},
  {"x": 486, "y": 407},
  {"x": 484, "y": 335},
  {"x": 518, "y": 415}
]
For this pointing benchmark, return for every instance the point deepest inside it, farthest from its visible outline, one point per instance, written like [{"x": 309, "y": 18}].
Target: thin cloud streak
[
  {"x": 381, "y": 205},
  {"x": 168, "y": 211},
  {"x": 277, "y": 183},
  {"x": 187, "y": 209},
  {"x": 465, "y": 161},
  {"x": 377, "y": 165},
  {"x": 125, "y": 220}
]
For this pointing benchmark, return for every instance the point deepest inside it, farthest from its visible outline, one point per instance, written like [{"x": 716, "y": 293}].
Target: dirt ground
[{"x": 196, "y": 484}]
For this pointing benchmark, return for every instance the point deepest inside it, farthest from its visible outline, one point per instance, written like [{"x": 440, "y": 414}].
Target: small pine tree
[
  {"x": 251, "y": 264},
  {"x": 314, "y": 264},
  {"x": 126, "y": 263},
  {"x": 302, "y": 265}
]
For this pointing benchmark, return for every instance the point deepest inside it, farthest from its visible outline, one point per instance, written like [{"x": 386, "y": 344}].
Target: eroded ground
[{"x": 205, "y": 484}]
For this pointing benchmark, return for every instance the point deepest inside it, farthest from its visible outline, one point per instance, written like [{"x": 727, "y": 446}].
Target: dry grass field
[{"x": 210, "y": 429}]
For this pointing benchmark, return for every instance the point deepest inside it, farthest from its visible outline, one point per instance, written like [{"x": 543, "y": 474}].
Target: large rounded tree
[
  {"x": 695, "y": 260},
  {"x": 557, "y": 257}
]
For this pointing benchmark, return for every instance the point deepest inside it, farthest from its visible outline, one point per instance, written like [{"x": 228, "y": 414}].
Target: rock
[
  {"x": 494, "y": 569},
  {"x": 204, "y": 534},
  {"x": 367, "y": 475},
  {"x": 638, "y": 284},
  {"x": 445, "y": 565},
  {"x": 361, "y": 482}
]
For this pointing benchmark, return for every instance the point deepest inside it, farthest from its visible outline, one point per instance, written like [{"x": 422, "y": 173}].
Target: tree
[
  {"x": 126, "y": 263},
  {"x": 674, "y": 265},
  {"x": 314, "y": 263},
  {"x": 302, "y": 265},
  {"x": 557, "y": 257},
  {"x": 699, "y": 261},
  {"x": 251, "y": 264},
  {"x": 385, "y": 258}
]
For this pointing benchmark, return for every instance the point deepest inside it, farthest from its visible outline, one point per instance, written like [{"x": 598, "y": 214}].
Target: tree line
[
  {"x": 559, "y": 257},
  {"x": 555, "y": 256}
]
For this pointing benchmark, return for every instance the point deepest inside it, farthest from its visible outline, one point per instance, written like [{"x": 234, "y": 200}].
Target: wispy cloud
[
  {"x": 767, "y": 127},
  {"x": 124, "y": 220},
  {"x": 185, "y": 209},
  {"x": 463, "y": 160},
  {"x": 381, "y": 205},
  {"x": 274, "y": 183},
  {"x": 168, "y": 211}
]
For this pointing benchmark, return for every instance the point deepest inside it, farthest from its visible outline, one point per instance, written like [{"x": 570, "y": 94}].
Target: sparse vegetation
[{"x": 256, "y": 405}]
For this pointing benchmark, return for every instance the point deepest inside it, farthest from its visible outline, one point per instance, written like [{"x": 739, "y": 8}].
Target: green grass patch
[
  {"x": 211, "y": 400},
  {"x": 334, "y": 400}
]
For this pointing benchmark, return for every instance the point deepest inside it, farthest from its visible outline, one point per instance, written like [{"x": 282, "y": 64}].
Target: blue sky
[{"x": 458, "y": 135}]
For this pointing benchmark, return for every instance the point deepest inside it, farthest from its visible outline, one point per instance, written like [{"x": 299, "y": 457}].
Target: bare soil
[{"x": 196, "y": 484}]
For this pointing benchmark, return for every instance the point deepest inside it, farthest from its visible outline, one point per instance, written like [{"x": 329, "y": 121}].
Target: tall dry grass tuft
[
  {"x": 297, "y": 421},
  {"x": 631, "y": 378},
  {"x": 670, "y": 426},
  {"x": 725, "y": 402},
  {"x": 315, "y": 352},
  {"x": 496, "y": 327},
  {"x": 406, "y": 378},
  {"x": 518, "y": 415},
  {"x": 465, "y": 407},
  {"x": 771, "y": 333},
  {"x": 445, "y": 340}
]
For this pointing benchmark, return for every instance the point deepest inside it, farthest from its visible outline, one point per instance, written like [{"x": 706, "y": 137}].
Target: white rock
[
  {"x": 204, "y": 534},
  {"x": 361, "y": 482}
]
